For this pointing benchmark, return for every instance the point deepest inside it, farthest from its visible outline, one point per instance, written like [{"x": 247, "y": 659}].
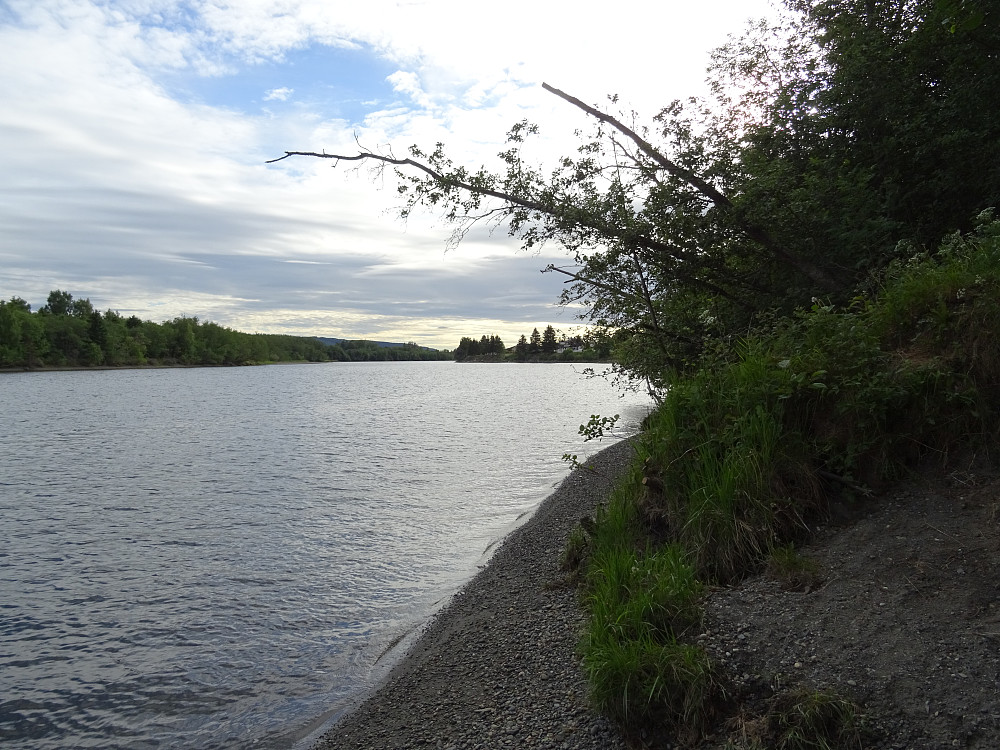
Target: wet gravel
[{"x": 498, "y": 666}]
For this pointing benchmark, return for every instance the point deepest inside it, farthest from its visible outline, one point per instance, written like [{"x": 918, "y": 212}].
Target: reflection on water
[{"x": 215, "y": 557}]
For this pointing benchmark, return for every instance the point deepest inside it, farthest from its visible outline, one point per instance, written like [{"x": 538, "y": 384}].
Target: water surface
[{"x": 204, "y": 558}]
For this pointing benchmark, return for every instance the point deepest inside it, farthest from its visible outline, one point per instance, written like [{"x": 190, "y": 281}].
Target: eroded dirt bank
[{"x": 907, "y": 621}]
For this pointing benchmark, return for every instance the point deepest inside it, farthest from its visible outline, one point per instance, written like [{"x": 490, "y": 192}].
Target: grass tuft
[
  {"x": 796, "y": 572},
  {"x": 803, "y": 720}
]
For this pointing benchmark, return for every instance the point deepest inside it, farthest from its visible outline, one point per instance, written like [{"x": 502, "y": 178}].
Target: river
[{"x": 224, "y": 557}]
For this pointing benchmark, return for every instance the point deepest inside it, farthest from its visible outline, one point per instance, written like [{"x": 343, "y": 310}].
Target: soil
[{"x": 903, "y": 619}]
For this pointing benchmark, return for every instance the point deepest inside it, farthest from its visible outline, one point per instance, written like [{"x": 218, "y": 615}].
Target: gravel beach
[
  {"x": 498, "y": 666},
  {"x": 904, "y": 621}
]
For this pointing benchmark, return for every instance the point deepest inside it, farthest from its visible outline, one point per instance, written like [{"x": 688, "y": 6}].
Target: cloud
[
  {"x": 134, "y": 167},
  {"x": 280, "y": 95}
]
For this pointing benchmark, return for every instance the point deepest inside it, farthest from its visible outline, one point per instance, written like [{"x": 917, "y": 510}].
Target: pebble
[{"x": 498, "y": 666}]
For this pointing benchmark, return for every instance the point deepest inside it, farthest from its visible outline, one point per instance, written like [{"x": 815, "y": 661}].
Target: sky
[{"x": 134, "y": 136}]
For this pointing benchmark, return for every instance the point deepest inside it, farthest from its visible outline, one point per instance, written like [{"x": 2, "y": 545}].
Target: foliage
[
  {"x": 794, "y": 570},
  {"x": 642, "y": 603},
  {"x": 68, "y": 332},
  {"x": 487, "y": 346},
  {"x": 804, "y": 720},
  {"x": 549, "y": 346},
  {"x": 743, "y": 456},
  {"x": 597, "y": 427}
]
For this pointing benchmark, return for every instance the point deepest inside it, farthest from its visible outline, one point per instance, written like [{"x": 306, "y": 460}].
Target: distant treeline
[
  {"x": 550, "y": 346},
  {"x": 69, "y": 332}
]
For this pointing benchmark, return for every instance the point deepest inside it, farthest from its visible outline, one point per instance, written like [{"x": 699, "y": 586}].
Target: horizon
[{"x": 134, "y": 140}]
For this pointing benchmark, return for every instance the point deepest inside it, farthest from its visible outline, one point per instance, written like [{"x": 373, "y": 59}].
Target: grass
[
  {"x": 744, "y": 454},
  {"x": 802, "y": 720},
  {"x": 795, "y": 571},
  {"x": 641, "y": 672}
]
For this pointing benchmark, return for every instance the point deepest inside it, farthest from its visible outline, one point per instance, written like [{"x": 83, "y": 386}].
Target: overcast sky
[{"x": 134, "y": 135}]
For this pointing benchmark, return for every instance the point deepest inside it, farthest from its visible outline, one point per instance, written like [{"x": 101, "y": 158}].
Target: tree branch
[
  {"x": 759, "y": 235},
  {"x": 433, "y": 174},
  {"x": 605, "y": 230}
]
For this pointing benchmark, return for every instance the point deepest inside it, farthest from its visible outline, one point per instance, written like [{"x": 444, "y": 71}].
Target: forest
[{"x": 68, "y": 332}]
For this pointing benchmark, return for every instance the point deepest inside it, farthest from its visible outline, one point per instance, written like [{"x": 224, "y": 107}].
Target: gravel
[
  {"x": 905, "y": 621},
  {"x": 498, "y": 666}
]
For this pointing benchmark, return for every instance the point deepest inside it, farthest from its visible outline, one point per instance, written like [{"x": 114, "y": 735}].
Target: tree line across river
[
  {"x": 68, "y": 332},
  {"x": 538, "y": 347}
]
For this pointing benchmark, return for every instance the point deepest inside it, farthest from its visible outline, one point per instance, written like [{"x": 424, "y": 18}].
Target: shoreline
[{"x": 497, "y": 666}]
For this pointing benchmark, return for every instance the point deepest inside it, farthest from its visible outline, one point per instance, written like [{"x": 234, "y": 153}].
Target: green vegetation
[
  {"x": 69, "y": 332},
  {"x": 744, "y": 455},
  {"x": 803, "y": 720},
  {"x": 804, "y": 270},
  {"x": 548, "y": 346}
]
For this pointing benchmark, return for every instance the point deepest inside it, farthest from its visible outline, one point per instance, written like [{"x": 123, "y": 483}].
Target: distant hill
[{"x": 387, "y": 344}]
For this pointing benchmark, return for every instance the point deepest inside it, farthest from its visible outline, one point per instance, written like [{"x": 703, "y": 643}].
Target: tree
[
  {"x": 81, "y": 308},
  {"x": 466, "y": 348},
  {"x": 11, "y": 322},
  {"x": 58, "y": 303},
  {"x": 521, "y": 349},
  {"x": 852, "y": 125},
  {"x": 535, "y": 342},
  {"x": 549, "y": 342}
]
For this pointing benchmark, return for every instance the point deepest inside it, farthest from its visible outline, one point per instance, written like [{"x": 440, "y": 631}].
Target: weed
[
  {"x": 576, "y": 552},
  {"x": 647, "y": 684},
  {"x": 795, "y": 571},
  {"x": 803, "y": 720}
]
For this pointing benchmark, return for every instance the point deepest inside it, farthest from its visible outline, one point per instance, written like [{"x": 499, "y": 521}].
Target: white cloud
[
  {"x": 279, "y": 94},
  {"x": 117, "y": 188}
]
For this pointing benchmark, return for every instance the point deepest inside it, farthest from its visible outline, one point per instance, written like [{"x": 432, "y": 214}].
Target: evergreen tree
[
  {"x": 535, "y": 343},
  {"x": 549, "y": 341},
  {"x": 521, "y": 349}
]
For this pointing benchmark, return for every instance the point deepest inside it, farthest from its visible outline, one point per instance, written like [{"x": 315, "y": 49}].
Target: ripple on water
[{"x": 208, "y": 558}]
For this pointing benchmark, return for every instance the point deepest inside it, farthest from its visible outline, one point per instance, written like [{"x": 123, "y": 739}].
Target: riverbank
[
  {"x": 901, "y": 617},
  {"x": 498, "y": 666}
]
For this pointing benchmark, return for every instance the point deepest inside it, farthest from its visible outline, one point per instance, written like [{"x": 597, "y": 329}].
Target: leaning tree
[{"x": 796, "y": 182}]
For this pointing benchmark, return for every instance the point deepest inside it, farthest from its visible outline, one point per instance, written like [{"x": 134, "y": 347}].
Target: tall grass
[{"x": 744, "y": 454}]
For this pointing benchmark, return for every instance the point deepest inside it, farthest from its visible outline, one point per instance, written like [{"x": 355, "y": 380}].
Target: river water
[{"x": 216, "y": 558}]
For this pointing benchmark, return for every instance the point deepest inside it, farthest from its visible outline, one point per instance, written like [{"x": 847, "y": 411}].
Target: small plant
[
  {"x": 597, "y": 426},
  {"x": 576, "y": 551},
  {"x": 645, "y": 684},
  {"x": 641, "y": 674},
  {"x": 595, "y": 429},
  {"x": 814, "y": 720},
  {"x": 801, "y": 720},
  {"x": 795, "y": 571}
]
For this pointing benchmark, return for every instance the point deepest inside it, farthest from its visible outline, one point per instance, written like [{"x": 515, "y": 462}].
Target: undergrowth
[{"x": 743, "y": 456}]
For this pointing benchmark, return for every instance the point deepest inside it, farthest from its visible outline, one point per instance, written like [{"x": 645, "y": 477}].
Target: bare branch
[
  {"x": 803, "y": 266},
  {"x": 591, "y": 282},
  {"x": 647, "y": 148},
  {"x": 433, "y": 174},
  {"x": 548, "y": 209}
]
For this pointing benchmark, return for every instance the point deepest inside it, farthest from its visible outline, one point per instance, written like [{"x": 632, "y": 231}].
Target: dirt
[{"x": 904, "y": 619}]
